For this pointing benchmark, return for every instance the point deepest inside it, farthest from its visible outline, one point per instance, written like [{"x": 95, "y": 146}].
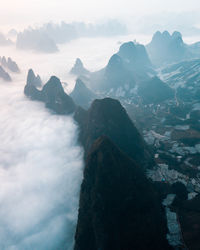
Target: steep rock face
[
  {"x": 4, "y": 75},
  {"x": 78, "y": 68},
  {"x": 55, "y": 97},
  {"x": 32, "y": 79},
  {"x": 129, "y": 66},
  {"x": 33, "y": 93},
  {"x": 82, "y": 95},
  {"x": 108, "y": 117},
  {"x": 119, "y": 208},
  {"x": 52, "y": 95},
  {"x": 155, "y": 91},
  {"x": 32, "y": 83}
]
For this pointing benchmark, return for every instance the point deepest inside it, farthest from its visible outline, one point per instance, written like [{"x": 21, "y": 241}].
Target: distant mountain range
[
  {"x": 166, "y": 49},
  {"x": 47, "y": 37}
]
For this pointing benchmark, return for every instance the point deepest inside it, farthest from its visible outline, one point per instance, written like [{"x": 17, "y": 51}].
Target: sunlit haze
[{"x": 22, "y": 13}]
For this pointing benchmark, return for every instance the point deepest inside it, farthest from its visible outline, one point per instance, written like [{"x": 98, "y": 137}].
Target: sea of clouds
[
  {"x": 41, "y": 163},
  {"x": 40, "y": 174}
]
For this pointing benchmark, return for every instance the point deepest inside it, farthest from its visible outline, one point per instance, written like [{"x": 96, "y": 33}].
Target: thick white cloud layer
[{"x": 40, "y": 174}]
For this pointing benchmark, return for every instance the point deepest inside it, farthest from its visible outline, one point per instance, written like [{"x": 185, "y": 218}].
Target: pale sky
[{"x": 21, "y": 13}]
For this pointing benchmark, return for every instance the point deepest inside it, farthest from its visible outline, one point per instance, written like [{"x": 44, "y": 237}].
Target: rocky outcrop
[
  {"x": 108, "y": 117},
  {"x": 52, "y": 94},
  {"x": 78, "y": 68},
  {"x": 55, "y": 97},
  {"x": 119, "y": 208},
  {"x": 32, "y": 79}
]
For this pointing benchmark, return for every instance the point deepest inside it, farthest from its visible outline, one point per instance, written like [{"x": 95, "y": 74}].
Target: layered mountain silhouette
[
  {"x": 82, "y": 95},
  {"x": 115, "y": 75},
  {"x": 119, "y": 208},
  {"x": 4, "y": 75},
  {"x": 52, "y": 94},
  {"x": 166, "y": 49},
  {"x": 9, "y": 64},
  {"x": 36, "y": 40},
  {"x": 129, "y": 66}
]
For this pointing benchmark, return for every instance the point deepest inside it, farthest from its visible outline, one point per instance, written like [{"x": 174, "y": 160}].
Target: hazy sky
[{"x": 29, "y": 12}]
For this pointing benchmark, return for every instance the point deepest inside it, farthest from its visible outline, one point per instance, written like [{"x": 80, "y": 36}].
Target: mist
[
  {"x": 40, "y": 159},
  {"x": 40, "y": 174}
]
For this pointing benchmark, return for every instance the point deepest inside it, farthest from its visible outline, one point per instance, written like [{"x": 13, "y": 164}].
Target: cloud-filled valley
[{"x": 40, "y": 174}]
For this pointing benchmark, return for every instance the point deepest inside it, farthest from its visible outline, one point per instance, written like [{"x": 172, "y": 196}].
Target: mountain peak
[
  {"x": 54, "y": 83},
  {"x": 127, "y": 47},
  {"x": 134, "y": 56},
  {"x": 166, "y": 49},
  {"x": 52, "y": 94},
  {"x": 166, "y": 34},
  {"x": 176, "y": 34},
  {"x": 108, "y": 117},
  {"x": 32, "y": 79},
  {"x": 82, "y": 95},
  {"x": 78, "y": 62},
  {"x": 79, "y": 69}
]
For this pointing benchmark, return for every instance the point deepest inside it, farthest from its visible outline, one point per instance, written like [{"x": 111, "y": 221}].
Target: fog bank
[{"x": 40, "y": 174}]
